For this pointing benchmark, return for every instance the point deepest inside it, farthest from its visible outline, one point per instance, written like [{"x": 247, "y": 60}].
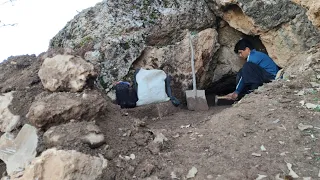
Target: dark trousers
[{"x": 253, "y": 76}]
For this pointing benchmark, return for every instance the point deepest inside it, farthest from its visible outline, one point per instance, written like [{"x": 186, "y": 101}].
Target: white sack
[{"x": 151, "y": 87}]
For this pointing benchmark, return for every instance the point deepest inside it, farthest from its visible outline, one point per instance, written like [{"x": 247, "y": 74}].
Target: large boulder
[
  {"x": 56, "y": 108},
  {"x": 114, "y": 34},
  {"x": 176, "y": 59},
  {"x": 226, "y": 62},
  {"x": 8, "y": 121},
  {"x": 313, "y": 7},
  {"x": 75, "y": 133},
  {"x": 66, "y": 73},
  {"x": 19, "y": 151},
  {"x": 67, "y": 165}
]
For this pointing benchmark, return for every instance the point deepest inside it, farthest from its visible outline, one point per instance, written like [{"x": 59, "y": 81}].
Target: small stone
[
  {"x": 307, "y": 178},
  {"x": 176, "y": 136},
  {"x": 260, "y": 177},
  {"x": 173, "y": 175},
  {"x": 187, "y": 126},
  {"x": 314, "y": 84},
  {"x": 192, "y": 173},
  {"x": 283, "y": 153},
  {"x": 256, "y": 154},
  {"x": 94, "y": 140},
  {"x": 281, "y": 142},
  {"x": 127, "y": 158},
  {"x": 300, "y": 93},
  {"x": 244, "y": 134},
  {"x": 110, "y": 154},
  {"x": 132, "y": 156},
  {"x": 311, "y": 106},
  {"x": 276, "y": 121},
  {"x": 291, "y": 172},
  {"x": 263, "y": 148},
  {"x": 303, "y": 127},
  {"x": 302, "y": 103},
  {"x": 209, "y": 177},
  {"x": 160, "y": 138}
]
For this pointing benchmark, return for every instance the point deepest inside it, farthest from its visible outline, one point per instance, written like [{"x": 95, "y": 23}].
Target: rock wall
[
  {"x": 176, "y": 59},
  {"x": 120, "y": 37},
  {"x": 313, "y": 10},
  {"x": 115, "y": 34},
  {"x": 283, "y": 26}
]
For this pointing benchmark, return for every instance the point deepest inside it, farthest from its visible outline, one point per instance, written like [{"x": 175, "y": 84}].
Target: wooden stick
[{"x": 222, "y": 97}]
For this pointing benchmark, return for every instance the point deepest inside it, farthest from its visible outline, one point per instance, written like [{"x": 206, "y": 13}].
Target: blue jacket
[{"x": 264, "y": 61}]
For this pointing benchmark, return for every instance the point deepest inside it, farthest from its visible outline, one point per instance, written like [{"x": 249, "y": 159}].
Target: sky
[{"x": 37, "y": 21}]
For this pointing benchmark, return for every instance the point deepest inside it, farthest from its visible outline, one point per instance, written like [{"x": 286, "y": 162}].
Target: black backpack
[{"x": 126, "y": 96}]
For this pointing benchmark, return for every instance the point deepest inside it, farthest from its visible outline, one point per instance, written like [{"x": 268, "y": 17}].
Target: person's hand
[{"x": 232, "y": 96}]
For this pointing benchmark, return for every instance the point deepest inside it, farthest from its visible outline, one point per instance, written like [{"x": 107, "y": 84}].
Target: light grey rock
[{"x": 18, "y": 152}]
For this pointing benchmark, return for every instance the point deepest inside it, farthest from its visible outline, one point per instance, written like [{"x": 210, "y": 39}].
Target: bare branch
[
  {"x": 10, "y": 1},
  {"x": 3, "y": 24}
]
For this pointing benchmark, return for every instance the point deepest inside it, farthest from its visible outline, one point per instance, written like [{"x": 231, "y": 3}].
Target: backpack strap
[{"x": 173, "y": 99}]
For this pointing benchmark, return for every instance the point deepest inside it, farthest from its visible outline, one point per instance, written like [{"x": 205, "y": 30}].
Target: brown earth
[{"x": 218, "y": 142}]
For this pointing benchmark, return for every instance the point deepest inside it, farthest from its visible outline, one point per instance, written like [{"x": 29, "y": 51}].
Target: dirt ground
[{"x": 257, "y": 136}]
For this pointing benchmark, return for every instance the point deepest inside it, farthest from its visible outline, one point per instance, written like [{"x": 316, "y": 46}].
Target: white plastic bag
[{"x": 151, "y": 87}]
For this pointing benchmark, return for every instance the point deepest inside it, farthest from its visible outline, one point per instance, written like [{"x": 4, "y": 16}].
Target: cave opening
[{"x": 227, "y": 83}]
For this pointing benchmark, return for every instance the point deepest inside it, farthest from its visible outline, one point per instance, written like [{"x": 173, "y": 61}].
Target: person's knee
[{"x": 248, "y": 65}]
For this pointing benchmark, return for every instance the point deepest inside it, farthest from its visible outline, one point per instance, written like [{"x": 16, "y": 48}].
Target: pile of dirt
[{"x": 274, "y": 128}]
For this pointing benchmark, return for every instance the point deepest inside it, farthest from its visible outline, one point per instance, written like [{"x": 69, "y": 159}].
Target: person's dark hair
[{"x": 242, "y": 44}]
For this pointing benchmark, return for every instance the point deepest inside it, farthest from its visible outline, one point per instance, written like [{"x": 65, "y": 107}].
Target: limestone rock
[
  {"x": 18, "y": 152},
  {"x": 263, "y": 15},
  {"x": 313, "y": 7},
  {"x": 311, "y": 61},
  {"x": 68, "y": 165},
  {"x": 75, "y": 133},
  {"x": 227, "y": 62},
  {"x": 291, "y": 40},
  {"x": 121, "y": 31},
  {"x": 175, "y": 59},
  {"x": 283, "y": 26},
  {"x": 65, "y": 73},
  {"x": 62, "y": 107},
  {"x": 8, "y": 121}
]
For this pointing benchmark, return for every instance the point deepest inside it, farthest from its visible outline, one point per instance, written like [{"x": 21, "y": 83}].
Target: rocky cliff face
[
  {"x": 54, "y": 92},
  {"x": 115, "y": 34},
  {"x": 283, "y": 26},
  {"x": 120, "y": 36}
]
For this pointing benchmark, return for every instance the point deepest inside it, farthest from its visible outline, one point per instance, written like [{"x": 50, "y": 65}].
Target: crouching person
[{"x": 258, "y": 69}]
